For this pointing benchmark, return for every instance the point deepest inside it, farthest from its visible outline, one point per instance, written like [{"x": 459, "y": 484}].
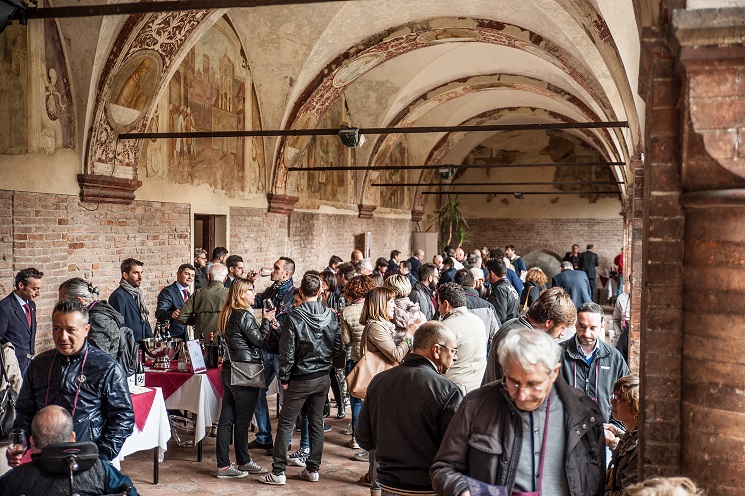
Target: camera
[{"x": 446, "y": 173}]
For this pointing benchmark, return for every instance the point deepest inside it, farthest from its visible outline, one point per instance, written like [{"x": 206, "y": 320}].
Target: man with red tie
[
  {"x": 18, "y": 315},
  {"x": 172, "y": 298}
]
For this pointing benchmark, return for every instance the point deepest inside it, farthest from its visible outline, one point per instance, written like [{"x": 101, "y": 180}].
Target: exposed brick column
[
  {"x": 633, "y": 257},
  {"x": 712, "y": 62},
  {"x": 661, "y": 278}
]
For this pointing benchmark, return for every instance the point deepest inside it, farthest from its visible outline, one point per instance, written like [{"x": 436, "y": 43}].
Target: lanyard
[
  {"x": 81, "y": 380},
  {"x": 543, "y": 447}
]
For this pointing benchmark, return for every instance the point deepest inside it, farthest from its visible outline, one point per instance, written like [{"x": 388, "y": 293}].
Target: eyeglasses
[
  {"x": 514, "y": 387},
  {"x": 454, "y": 351}
]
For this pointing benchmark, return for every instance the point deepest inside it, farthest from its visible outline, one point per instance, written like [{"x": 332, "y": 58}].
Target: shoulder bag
[
  {"x": 370, "y": 364},
  {"x": 246, "y": 373},
  {"x": 8, "y": 397}
]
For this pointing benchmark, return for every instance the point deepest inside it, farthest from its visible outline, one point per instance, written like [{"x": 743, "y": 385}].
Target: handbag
[
  {"x": 246, "y": 373},
  {"x": 8, "y": 397},
  {"x": 370, "y": 364}
]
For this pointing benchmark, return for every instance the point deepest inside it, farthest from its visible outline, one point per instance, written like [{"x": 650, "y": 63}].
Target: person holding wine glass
[{"x": 9, "y": 378}]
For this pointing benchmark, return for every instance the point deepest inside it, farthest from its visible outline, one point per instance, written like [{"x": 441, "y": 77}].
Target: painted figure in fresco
[{"x": 134, "y": 92}]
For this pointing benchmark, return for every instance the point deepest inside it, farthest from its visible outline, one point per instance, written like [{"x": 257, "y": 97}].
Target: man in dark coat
[
  {"x": 588, "y": 263},
  {"x": 172, "y": 298},
  {"x": 129, "y": 301},
  {"x": 574, "y": 282},
  {"x": 18, "y": 315}
]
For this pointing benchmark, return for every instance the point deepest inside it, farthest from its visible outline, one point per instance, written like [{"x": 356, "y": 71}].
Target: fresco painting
[{"x": 397, "y": 197}]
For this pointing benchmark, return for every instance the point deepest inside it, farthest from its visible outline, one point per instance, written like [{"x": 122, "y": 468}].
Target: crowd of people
[{"x": 460, "y": 373}]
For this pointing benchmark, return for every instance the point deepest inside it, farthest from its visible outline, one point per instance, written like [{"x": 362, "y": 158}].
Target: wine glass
[
  {"x": 268, "y": 305},
  {"x": 18, "y": 442}
]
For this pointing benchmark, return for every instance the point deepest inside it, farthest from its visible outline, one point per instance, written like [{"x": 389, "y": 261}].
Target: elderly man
[
  {"x": 471, "y": 337},
  {"x": 574, "y": 282},
  {"x": 530, "y": 432},
  {"x": 405, "y": 449},
  {"x": 53, "y": 424},
  {"x": 416, "y": 262},
  {"x": 355, "y": 257},
  {"x": 437, "y": 262},
  {"x": 202, "y": 309},
  {"x": 80, "y": 378},
  {"x": 364, "y": 267},
  {"x": 18, "y": 315},
  {"x": 172, "y": 298},
  {"x": 552, "y": 313}
]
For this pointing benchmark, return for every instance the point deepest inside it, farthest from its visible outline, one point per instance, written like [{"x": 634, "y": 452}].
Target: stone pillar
[
  {"x": 657, "y": 269},
  {"x": 712, "y": 62},
  {"x": 633, "y": 260}
]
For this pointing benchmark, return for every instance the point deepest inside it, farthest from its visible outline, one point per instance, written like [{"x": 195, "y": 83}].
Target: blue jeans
[
  {"x": 355, "y": 402},
  {"x": 304, "y": 432},
  {"x": 263, "y": 424}
]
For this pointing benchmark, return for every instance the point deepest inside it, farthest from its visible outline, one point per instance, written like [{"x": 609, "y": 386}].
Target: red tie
[
  {"x": 186, "y": 294},
  {"x": 27, "y": 309}
]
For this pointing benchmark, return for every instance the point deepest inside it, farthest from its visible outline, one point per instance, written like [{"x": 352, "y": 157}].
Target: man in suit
[
  {"x": 574, "y": 282},
  {"x": 18, "y": 315},
  {"x": 172, "y": 298},
  {"x": 234, "y": 263},
  {"x": 129, "y": 301},
  {"x": 589, "y": 262}
]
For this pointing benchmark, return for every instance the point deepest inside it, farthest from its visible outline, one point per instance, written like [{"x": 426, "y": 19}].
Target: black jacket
[
  {"x": 485, "y": 439},
  {"x": 30, "y": 479},
  {"x": 244, "y": 337},
  {"x": 310, "y": 338},
  {"x": 406, "y": 447},
  {"x": 505, "y": 299},
  {"x": 103, "y": 413},
  {"x": 281, "y": 295},
  {"x": 105, "y": 322},
  {"x": 422, "y": 295}
]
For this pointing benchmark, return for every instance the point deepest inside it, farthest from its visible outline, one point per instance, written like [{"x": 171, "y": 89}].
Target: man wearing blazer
[
  {"x": 129, "y": 301},
  {"x": 18, "y": 315},
  {"x": 172, "y": 298}
]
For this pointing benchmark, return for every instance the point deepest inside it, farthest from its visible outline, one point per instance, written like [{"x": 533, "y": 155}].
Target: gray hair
[
  {"x": 566, "y": 265},
  {"x": 430, "y": 333},
  {"x": 529, "y": 347},
  {"x": 218, "y": 272},
  {"x": 365, "y": 263},
  {"x": 591, "y": 307},
  {"x": 52, "y": 424},
  {"x": 77, "y": 287}
]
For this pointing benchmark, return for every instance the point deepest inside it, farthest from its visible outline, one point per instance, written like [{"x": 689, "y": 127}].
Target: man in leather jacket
[
  {"x": 530, "y": 432},
  {"x": 309, "y": 341},
  {"x": 80, "y": 378}
]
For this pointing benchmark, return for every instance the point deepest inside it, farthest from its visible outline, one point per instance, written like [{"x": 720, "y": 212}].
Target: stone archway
[{"x": 549, "y": 262}]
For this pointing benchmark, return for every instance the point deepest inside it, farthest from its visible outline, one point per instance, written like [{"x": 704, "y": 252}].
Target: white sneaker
[
  {"x": 231, "y": 473},
  {"x": 298, "y": 458},
  {"x": 273, "y": 479},
  {"x": 309, "y": 476},
  {"x": 353, "y": 444}
]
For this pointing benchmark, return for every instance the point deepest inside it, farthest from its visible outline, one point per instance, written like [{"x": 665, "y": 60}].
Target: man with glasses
[
  {"x": 529, "y": 432},
  {"x": 406, "y": 448},
  {"x": 200, "y": 274},
  {"x": 471, "y": 337}
]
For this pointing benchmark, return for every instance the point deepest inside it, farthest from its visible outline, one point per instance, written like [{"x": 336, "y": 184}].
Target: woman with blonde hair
[
  {"x": 243, "y": 338},
  {"x": 404, "y": 310},
  {"x": 623, "y": 469},
  {"x": 377, "y": 316},
  {"x": 664, "y": 486}
]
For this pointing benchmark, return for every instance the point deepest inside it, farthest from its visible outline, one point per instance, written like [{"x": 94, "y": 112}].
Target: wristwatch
[{"x": 408, "y": 341}]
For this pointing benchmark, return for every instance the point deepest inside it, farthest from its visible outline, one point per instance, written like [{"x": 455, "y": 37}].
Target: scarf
[{"x": 137, "y": 295}]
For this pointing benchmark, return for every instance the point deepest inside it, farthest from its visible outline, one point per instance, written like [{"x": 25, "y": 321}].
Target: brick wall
[
  {"x": 55, "y": 234},
  {"x": 660, "y": 319},
  {"x": 310, "y": 238},
  {"x": 552, "y": 235}
]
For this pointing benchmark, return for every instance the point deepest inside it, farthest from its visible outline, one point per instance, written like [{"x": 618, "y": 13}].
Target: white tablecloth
[{"x": 155, "y": 433}]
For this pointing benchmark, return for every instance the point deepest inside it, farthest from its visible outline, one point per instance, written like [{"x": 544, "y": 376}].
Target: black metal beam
[
  {"x": 453, "y": 185},
  {"x": 513, "y": 193},
  {"x": 130, "y": 8},
  {"x": 452, "y": 166},
  {"x": 379, "y": 130}
]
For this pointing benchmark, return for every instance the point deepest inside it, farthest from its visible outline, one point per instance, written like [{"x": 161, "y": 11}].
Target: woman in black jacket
[
  {"x": 535, "y": 284},
  {"x": 243, "y": 338}
]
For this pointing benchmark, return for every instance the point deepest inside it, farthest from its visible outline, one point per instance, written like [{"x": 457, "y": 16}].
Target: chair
[{"x": 70, "y": 459}]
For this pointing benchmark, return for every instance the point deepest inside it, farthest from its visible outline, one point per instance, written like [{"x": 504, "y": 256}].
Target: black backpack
[{"x": 128, "y": 350}]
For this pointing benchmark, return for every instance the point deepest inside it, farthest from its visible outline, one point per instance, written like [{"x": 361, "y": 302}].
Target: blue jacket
[
  {"x": 126, "y": 305},
  {"x": 171, "y": 298},
  {"x": 575, "y": 283},
  {"x": 14, "y": 329}
]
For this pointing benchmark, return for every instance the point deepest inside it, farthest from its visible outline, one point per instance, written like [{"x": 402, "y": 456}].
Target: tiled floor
[{"x": 180, "y": 473}]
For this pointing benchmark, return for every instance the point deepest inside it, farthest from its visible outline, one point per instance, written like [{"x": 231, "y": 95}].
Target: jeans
[
  {"x": 238, "y": 404},
  {"x": 304, "y": 431},
  {"x": 313, "y": 394},
  {"x": 355, "y": 402},
  {"x": 263, "y": 424}
]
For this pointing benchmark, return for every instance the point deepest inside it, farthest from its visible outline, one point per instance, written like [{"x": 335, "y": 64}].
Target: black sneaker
[
  {"x": 255, "y": 444},
  {"x": 326, "y": 427}
]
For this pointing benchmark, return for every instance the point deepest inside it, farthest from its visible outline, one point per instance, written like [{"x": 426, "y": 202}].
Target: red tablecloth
[
  {"x": 171, "y": 380},
  {"x": 141, "y": 404}
]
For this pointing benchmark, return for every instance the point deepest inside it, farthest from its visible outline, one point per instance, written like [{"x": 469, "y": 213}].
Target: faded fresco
[
  {"x": 210, "y": 91},
  {"x": 398, "y": 197},
  {"x": 58, "y": 126},
  {"x": 332, "y": 186},
  {"x": 14, "y": 98}
]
